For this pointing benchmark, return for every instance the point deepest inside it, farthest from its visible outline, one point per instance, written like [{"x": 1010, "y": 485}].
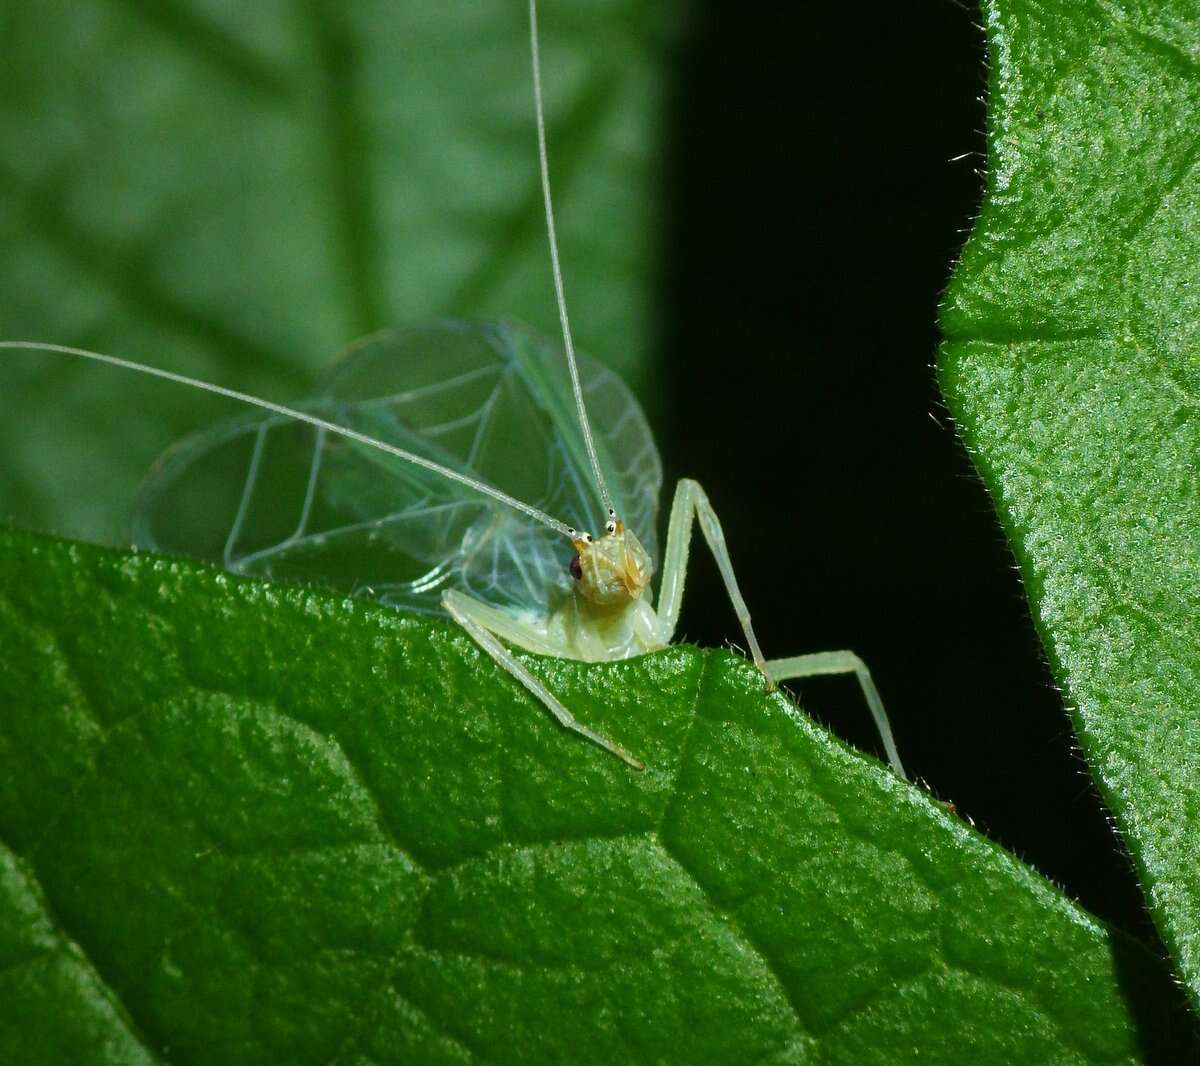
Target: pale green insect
[{"x": 426, "y": 473}]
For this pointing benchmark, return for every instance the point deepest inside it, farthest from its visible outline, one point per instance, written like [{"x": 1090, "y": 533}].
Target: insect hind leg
[
  {"x": 842, "y": 662},
  {"x": 471, "y": 615}
]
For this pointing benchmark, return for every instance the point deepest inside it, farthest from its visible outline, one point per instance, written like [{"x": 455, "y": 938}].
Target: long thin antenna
[
  {"x": 558, "y": 282},
  {"x": 312, "y": 420}
]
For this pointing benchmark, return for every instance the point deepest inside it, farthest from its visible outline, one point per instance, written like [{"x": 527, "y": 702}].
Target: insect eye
[
  {"x": 576, "y": 569},
  {"x": 611, "y": 527}
]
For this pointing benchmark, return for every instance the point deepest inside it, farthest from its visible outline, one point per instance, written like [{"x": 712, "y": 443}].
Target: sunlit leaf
[
  {"x": 1073, "y": 368},
  {"x": 243, "y": 822}
]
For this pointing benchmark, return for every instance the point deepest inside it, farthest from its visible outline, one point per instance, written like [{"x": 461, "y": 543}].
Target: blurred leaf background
[
  {"x": 758, "y": 211},
  {"x": 238, "y": 193}
]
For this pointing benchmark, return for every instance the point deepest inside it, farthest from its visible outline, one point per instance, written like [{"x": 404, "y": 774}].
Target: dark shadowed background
[{"x": 806, "y": 261}]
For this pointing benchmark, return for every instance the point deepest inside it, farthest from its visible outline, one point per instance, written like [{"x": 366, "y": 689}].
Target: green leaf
[
  {"x": 1072, "y": 365},
  {"x": 244, "y": 822},
  {"x": 238, "y": 192}
]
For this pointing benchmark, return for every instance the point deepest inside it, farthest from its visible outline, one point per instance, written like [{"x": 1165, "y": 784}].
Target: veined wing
[{"x": 269, "y": 497}]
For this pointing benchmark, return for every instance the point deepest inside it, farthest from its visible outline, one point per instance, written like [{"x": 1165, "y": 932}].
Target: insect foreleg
[
  {"x": 843, "y": 662},
  {"x": 690, "y": 503},
  {"x": 473, "y": 617}
]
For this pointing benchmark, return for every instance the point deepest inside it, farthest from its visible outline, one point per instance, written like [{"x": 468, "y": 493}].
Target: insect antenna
[
  {"x": 303, "y": 416},
  {"x": 544, "y": 165}
]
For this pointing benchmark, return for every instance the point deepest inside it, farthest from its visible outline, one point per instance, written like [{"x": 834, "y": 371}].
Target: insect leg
[
  {"x": 465, "y": 611},
  {"x": 690, "y": 503},
  {"x": 843, "y": 662}
]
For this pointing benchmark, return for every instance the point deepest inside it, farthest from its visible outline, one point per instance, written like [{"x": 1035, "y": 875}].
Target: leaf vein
[
  {"x": 351, "y": 192},
  {"x": 584, "y": 117},
  {"x": 122, "y": 269},
  {"x": 731, "y": 921},
  {"x": 73, "y": 945},
  {"x": 205, "y": 40}
]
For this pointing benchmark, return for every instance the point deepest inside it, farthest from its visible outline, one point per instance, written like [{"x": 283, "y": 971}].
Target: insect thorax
[{"x": 583, "y": 630}]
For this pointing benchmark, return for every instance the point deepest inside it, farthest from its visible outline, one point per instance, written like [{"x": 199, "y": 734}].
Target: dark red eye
[{"x": 576, "y": 569}]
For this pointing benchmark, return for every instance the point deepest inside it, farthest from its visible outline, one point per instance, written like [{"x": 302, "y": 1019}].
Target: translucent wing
[{"x": 268, "y": 497}]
